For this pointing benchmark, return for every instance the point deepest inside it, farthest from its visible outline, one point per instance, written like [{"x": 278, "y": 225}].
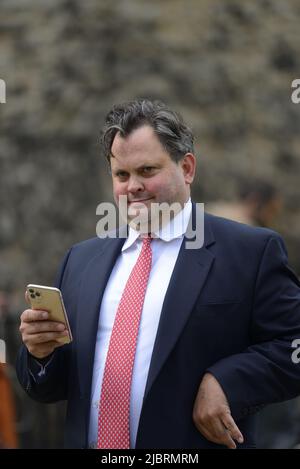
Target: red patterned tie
[{"x": 113, "y": 420}]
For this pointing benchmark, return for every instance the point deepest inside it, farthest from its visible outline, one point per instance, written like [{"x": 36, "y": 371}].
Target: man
[
  {"x": 258, "y": 204},
  {"x": 173, "y": 347}
]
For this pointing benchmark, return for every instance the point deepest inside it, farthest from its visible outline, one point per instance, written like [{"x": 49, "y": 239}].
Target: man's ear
[{"x": 188, "y": 165}]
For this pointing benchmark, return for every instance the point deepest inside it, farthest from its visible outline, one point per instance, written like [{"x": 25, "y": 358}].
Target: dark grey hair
[{"x": 168, "y": 125}]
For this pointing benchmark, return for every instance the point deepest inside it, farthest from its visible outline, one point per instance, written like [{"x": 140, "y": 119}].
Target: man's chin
[
  {"x": 147, "y": 214},
  {"x": 139, "y": 216},
  {"x": 142, "y": 215}
]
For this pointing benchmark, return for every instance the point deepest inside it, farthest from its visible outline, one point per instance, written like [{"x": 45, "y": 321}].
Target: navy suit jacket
[{"x": 232, "y": 308}]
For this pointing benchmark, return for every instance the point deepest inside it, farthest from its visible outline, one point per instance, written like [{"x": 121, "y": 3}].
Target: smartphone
[{"x": 50, "y": 299}]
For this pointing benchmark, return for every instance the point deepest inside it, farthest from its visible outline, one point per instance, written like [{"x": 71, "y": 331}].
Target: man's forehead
[{"x": 138, "y": 139}]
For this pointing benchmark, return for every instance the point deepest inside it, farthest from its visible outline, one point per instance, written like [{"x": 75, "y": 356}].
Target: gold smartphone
[{"x": 50, "y": 299}]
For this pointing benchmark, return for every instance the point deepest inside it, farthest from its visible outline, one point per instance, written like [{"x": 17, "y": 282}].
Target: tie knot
[
  {"x": 147, "y": 236},
  {"x": 147, "y": 239}
]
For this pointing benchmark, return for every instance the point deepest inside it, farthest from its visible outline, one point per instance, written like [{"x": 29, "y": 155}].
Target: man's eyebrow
[
  {"x": 142, "y": 166},
  {"x": 148, "y": 165},
  {"x": 119, "y": 170}
]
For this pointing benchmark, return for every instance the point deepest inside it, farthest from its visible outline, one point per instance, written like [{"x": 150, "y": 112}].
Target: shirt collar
[{"x": 176, "y": 228}]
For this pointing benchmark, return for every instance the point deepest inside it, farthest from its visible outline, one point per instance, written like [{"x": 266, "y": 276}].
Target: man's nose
[{"x": 135, "y": 185}]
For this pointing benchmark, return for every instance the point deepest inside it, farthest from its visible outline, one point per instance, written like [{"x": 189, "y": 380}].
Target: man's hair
[
  {"x": 262, "y": 191},
  {"x": 174, "y": 135}
]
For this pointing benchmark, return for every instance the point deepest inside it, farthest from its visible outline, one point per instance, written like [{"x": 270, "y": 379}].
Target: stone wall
[{"x": 226, "y": 65}]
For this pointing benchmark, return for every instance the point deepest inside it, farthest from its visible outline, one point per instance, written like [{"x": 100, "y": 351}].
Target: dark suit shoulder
[
  {"x": 81, "y": 254},
  {"x": 87, "y": 244},
  {"x": 93, "y": 246}
]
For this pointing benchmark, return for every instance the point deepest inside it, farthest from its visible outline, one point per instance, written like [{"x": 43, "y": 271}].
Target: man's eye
[
  {"x": 147, "y": 169},
  {"x": 121, "y": 174}
]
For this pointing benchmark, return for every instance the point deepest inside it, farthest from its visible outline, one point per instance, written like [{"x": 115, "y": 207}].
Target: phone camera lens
[
  {"x": 30, "y": 290},
  {"x": 32, "y": 295},
  {"x": 38, "y": 294}
]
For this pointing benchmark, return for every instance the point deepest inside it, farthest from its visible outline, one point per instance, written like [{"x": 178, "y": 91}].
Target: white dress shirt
[{"x": 165, "y": 249}]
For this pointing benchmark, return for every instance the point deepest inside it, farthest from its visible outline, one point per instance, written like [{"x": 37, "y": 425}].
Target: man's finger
[
  {"x": 30, "y": 315},
  {"x": 232, "y": 428},
  {"x": 222, "y": 435},
  {"x": 43, "y": 326},
  {"x": 43, "y": 337},
  {"x": 217, "y": 433}
]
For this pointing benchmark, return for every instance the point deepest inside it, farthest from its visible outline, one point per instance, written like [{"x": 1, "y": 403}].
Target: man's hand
[
  {"x": 40, "y": 335},
  {"x": 212, "y": 415}
]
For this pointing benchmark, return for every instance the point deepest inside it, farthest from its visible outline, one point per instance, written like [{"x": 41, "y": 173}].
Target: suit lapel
[
  {"x": 93, "y": 284},
  {"x": 188, "y": 278}
]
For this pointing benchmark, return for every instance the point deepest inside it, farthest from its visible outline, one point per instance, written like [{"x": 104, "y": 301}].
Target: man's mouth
[{"x": 138, "y": 201}]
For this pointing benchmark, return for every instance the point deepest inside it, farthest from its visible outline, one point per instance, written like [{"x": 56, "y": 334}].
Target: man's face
[{"x": 143, "y": 171}]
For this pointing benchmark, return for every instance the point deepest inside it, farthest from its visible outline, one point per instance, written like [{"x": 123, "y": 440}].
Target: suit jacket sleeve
[
  {"x": 46, "y": 383},
  {"x": 265, "y": 372}
]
